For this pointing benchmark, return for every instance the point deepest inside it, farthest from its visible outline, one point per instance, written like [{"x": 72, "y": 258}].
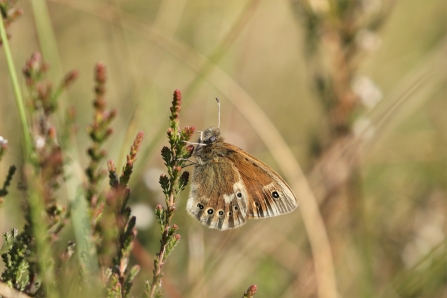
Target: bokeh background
[{"x": 380, "y": 234}]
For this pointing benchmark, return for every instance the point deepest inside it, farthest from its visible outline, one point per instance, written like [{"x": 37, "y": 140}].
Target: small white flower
[
  {"x": 367, "y": 91},
  {"x": 3, "y": 141},
  {"x": 40, "y": 142}
]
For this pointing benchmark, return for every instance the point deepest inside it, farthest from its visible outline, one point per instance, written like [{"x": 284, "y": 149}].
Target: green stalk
[
  {"x": 80, "y": 217},
  {"x": 37, "y": 209},
  {"x": 49, "y": 50},
  {"x": 85, "y": 249},
  {"x": 43, "y": 249},
  {"x": 47, "y": 39},
  {"x": 16, "y": 88}
]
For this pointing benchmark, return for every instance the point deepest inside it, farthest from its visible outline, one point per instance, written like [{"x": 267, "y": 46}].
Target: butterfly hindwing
[{"x": 214, "y": 199}]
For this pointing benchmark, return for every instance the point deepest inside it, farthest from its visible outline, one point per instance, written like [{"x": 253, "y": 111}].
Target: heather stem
[{"x": 172, "y": 184}]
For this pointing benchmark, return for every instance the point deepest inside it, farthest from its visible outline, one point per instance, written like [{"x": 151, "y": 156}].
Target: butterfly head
[{"x": 210, "y": 136}]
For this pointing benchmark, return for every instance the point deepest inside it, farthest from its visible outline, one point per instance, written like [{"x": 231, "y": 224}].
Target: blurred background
[{"x": 345, "y": 99}]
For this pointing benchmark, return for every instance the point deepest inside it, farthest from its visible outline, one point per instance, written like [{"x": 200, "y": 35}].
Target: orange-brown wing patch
[{"x": 268, "y": 194}]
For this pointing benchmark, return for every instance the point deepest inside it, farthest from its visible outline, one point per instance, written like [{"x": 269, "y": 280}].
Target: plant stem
[
  {"x": 161, "y": 254},
  {"x": 16, "y": 87},
  {"x": 45, "y": 262}
]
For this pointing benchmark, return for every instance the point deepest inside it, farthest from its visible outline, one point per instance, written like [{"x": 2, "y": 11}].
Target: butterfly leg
[
  {"x": 191, "y": 162},
  {"x": 192, "y": 143}
]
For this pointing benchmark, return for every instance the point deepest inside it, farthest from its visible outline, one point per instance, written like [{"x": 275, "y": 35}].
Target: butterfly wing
[
  {"x": 235, "y": 186},
  {"x": 213, "y": 196},
  {"x": 268, "y": 194}
]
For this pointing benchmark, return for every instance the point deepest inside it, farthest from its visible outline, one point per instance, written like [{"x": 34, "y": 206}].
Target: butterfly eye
[
  {"x": 235, "y": 208},
  {"x": 210, "y": 211},
  {"x": 230, "y": 213},
  {"x": 210, "y": 140},
  {"x": 239, "y": 195},
  {"x": 200, "y": 206},
  {"x": 221, "y": 212},
  {"x": 275, "y": 194}
]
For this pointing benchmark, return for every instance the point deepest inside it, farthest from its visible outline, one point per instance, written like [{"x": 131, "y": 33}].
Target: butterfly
[{"x": 229, "y": 186}]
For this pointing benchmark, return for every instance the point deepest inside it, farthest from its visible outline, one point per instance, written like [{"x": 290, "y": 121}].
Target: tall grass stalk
[
  {"x": 43, "y": 249},
  {"x": 47, "y": 40},
  {"x": 80, "y": 217},
  {"x": 36, "y": 206},
  {"x": 16, "y": 88}
]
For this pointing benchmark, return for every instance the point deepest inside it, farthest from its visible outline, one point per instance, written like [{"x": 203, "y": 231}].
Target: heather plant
[
  {"x": 172, "y": 184},
  {"x": 9, "y": 14},
  {"x": 29, "y": 257}
]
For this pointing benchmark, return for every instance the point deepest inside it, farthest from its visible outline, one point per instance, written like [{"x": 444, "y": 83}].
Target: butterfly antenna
[{"x": 218, "y": 112}]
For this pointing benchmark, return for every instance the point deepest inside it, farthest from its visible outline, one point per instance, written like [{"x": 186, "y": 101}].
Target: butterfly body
[{"x": 229, "y": 186}]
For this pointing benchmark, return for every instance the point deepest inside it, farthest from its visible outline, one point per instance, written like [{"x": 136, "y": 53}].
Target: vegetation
[{"x": 346, "y": 99}]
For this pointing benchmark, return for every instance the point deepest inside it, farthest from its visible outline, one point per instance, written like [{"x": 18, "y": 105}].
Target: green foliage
[
  {"x": 124, "y": 226},
  {"x": 15, "y": 254},
  {"x": 7, "y": 183},
  {"x": 172, "y": 184},
  {"x": 99, "y": 131},
  {"x": 9, "y": 13},
  {"x": 28, "y": 257},
  {"x": 114, "y": 289}
]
